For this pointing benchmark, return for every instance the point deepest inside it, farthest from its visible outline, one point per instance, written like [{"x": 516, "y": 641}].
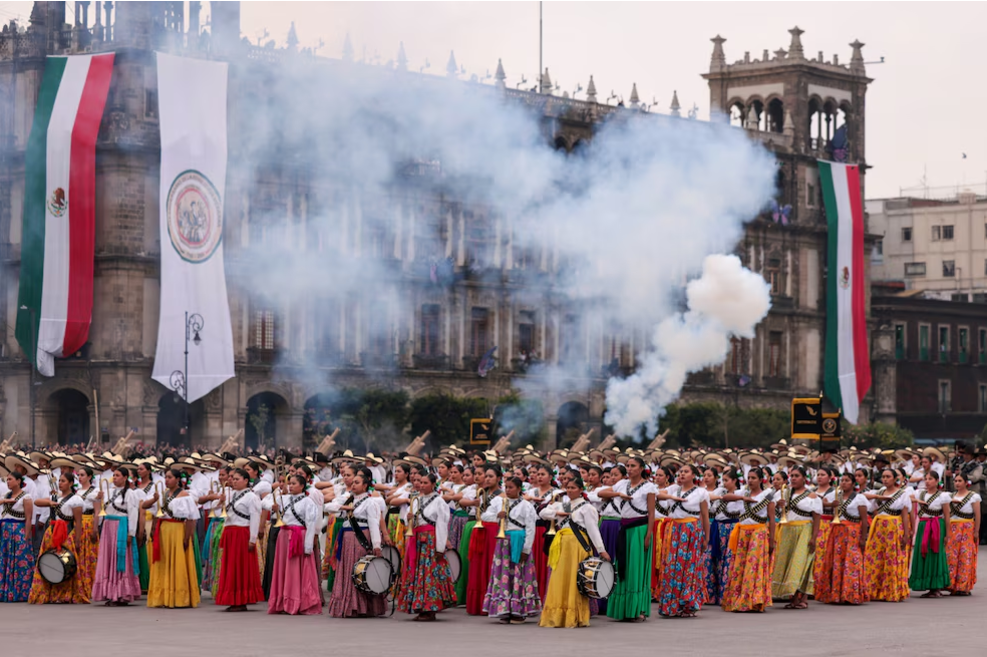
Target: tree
[
  {"x": 447, "y": 417},
  {"x": 877, "y": 434},
  {"x": 259, "y": 420},
  {"x": 370, "y": 412},
  {"x": 525, "y": 417}
]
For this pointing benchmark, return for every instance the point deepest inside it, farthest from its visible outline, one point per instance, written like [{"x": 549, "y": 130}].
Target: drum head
[
  {"x": 378, "y": 575},
  {"x": 51, "y": 567},
  {"x": 605, "y": 579},
  {"x": 393, "y": 557},
  {"x": 455, "y": 564}
]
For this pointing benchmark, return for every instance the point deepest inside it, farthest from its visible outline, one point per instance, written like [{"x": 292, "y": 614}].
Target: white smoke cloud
[{"x": 726, "y": 300}]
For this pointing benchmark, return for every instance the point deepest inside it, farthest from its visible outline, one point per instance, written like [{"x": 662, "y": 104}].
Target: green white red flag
[
  {"x": 55, "y": 296},
  {"x": 847, "y": 376}
]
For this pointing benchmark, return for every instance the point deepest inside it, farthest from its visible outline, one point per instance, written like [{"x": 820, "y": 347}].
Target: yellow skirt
[
  {"x": 564, "y": 605},
  {"x": 174, "y": 580},
  {"x": 793, "y": 564}
]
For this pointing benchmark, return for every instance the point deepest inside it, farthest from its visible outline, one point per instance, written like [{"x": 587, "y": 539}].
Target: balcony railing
[
  {"x": 259, "y": 356},
  {"x": 923, "y": 353},
  {"x": 964, "y": 357},
  {"x": 943, "y": 356}
]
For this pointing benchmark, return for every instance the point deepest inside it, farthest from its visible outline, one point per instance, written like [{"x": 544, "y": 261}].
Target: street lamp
[{"x": 179, "y": 378}]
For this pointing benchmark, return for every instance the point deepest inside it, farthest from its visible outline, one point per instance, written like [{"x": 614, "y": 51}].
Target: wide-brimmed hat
[
  {"x": 789, "y": 460},
  {"x": 64, "y": 463},
  {"x": 38, "y": 454},
  {"x": 749, "y": 458},
  {"x": 934, "y": 452},
  {"x": 715, "y": 459},
  {"x": 906, "y": 454},
  {"x": 344, "y": 456},
  {"x": 213, "y": 457},
  {"x": 107, "y": 458},
  {"x": 22, "y": 460},
  {"x": 370, "y": 458}
]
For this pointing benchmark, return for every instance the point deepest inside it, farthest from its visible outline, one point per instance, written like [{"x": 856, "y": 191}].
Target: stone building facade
[{"x": 790, "y": 103}]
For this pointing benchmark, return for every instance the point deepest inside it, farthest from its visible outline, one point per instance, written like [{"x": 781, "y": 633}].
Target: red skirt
[
  {"x": 482, "y": 543},
  {"x": 239, "y": 578},
  {"x": 540, "y": 556}
]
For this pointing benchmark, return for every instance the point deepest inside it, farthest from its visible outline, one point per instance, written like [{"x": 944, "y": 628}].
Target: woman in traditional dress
[
  {"x": 365, "y": 515},
  {"x": 683, "y": 580},
  {"x": 752, "y": 542},
  {"x": 295, "y": 572},
  {"x": 398, "y": 500},
  {"x": 87, "y": 554},
  {"x": 261, "y": 487},
  {"x": 466, "y": 504},
  {"x": 426, "y": 584},
  {"x": 174, "y": 578},
  {"x": 483, "y": 540},
  {"x": 631, "y": 597},
  {"x": 211, "y": 550},
  {"x": 144, "y": 490},
  {"x": 542, "y": 492},
  {"x": 840, "y": 579},
  {"x": 664, "y": 481},
  {"x": 725, "y": 508},
  {"x": 16, "y": 541},
  {"x": 239, "y": 579},
  {"x": 930, "y": 567},
  {"x": 964, "y": 528},
  {"x": 334, "y": 530},
  {"x": 64, "y": 532},
  {"x": 827, "y": 481},
  {"x": 792, "y": 573},
  {"x": 565, "y": 606},
  {"x": 610, "y": 515},
  {"x": 885, "y": 556},
  {"x": 512, "y": 592},
  {"x": 116, "y": 572},
  {"x": 454, "y": 489}
]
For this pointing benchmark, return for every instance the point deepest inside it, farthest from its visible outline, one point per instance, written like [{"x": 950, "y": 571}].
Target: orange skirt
[
  {"x": 961, "y": 554},
  {"x": 839, "y": 576}
]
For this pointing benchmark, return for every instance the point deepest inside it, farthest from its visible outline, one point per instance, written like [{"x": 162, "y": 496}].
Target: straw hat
[
  {"x": 752, "y": 458},
  {"x": 343, "y": 457},
  {"x": 64, "y": 463},
  {"x": 934, "y": 452},
  {"x": 789, "y": 460},
  {"x": 22, "y": 460},
  {"x": 370, "y": 458},
  {"x": 713, "y": 458}
]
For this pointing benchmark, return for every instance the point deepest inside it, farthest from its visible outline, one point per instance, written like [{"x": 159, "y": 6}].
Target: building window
[
  {"x": 150, "y": 104},
  {"x": 947, "y": 232},
  {"x": 479, "y": 330},
  {"x": 877, "y": 254},
  {"x": 526, "y": 333},
  {"x": 899, "y": 341},
  {"x": 774, "y": 353},
  {"x": 963, "y": 338},
  {"x": 735, "y": 356},
  {"x": 772, "y": 274},
  {"x": 379, "y": 329},
  {"x": 430, "y": 330},
  {"x": 263, "y": 332},
  {"x": 979, "y": 297},
  {"x": 914, "y": 269},
  {"x": 948, "y": 268},
  {"x": 923, "y": 342},
  {"x": 943, "y": 344},
  {"x": 982, "y": 346},
  {"x": 326, "y": 315},
  {"x": 906, "y": 234},
  {"x": 945, "y": 397},
  {"x": 936, "y": 233},
  {"x": 982, "y": 405}
]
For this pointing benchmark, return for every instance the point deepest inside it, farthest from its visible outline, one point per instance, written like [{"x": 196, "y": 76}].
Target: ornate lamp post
[{"x": 179, "y": 378}]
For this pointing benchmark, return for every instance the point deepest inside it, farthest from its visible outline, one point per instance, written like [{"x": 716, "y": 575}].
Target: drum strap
[{"x": 579, "y": 532}]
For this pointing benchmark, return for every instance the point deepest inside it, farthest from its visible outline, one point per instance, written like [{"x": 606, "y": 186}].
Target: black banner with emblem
[
  {"x": 807, "y": 417},
  {"x": 831, "y": 428},
  {"x": 480, "y": 430}
]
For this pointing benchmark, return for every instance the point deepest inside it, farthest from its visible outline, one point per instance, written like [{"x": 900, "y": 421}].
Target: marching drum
[
  {"x": 595, "y": 578},
  {"x": 373, "y": 575},
  {"x": 57, "y": 566},
  {"x": 455, "y": 564},
  {"x": 393, "y": 557}
]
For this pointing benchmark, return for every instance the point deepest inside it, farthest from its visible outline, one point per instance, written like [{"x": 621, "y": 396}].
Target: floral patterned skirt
[
  {"x": 76, "y": 590},
  {"x": 513, "y": 587},
  {"x": 822, "y": 540},
  {"x": 426, "y": 585},
  {"x": 961, "y": 553},
  {"x": 886, "y": 561},
  {"x": 718, "y": 558},
  {"x": 16, "y": 562},
  {"x": 839, "y": 577},
  {"x": 659, "y": 544},
  {"x": 210, "y": 555},
  {"x": 683, "y": 578},
  {"x": 793, "y": 564},
  {"x": 749, "y": 584}
]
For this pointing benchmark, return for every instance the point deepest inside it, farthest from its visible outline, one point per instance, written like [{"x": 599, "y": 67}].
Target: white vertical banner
[{"x": 192, "y": 116}]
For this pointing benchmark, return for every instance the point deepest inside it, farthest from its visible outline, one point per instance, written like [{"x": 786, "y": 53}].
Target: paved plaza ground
[{"x": 916, "y": 627}]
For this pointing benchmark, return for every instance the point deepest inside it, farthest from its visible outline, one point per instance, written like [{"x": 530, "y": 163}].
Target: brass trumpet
[
  {"x": 161, "y": 500},
  {"x": 836, "y": 511},
  {"x": 502, "y": 532},
  {"x": 409, "y": 531},
  {"x": 106, "y": 497},
  {"x": 551, "y": 529},
  {"x": 786, "y": 496}
]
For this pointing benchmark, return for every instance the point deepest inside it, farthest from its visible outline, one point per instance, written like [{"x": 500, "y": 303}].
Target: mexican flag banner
[
  {"x": 847, "y": 377},
  {"x": 55, "y": 298}
]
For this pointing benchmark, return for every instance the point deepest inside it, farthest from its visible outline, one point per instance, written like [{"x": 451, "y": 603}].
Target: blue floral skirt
[
  {"x": 16, "y": 562},
  {"x": 683, "y": 582}
]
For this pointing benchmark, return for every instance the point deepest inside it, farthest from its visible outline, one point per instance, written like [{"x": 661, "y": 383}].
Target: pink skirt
[
  {"x": 346, "y": 600},
  {"x": 112, "y": 584},
  {"x": 295, "y": 580}
]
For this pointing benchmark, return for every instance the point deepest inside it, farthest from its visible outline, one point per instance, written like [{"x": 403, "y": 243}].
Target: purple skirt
[
  {"x": 110, "y": 583},
  {"x": 608, "y": 531},
  {"x": 513, "y": 588}
]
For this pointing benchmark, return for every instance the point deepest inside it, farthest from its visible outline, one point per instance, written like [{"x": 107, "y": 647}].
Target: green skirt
[
  {"x": 198, "y": 557},
  {"x": 631, "y": 595},
  {"x": 929, "y": 572},
  {"x": 464, "y": 558},
  {"x": 793, "y": 563},
  {"x": 336, "y": 530},
  {"x": 145, "y": 574}
]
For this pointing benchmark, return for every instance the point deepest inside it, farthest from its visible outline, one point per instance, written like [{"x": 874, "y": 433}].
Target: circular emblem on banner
[
  {"x": 829, "y": 426},
  {"x": 845, "y": 278},
  {"x": 195, "y": 216},
  {"x": 57, "y": 203}
]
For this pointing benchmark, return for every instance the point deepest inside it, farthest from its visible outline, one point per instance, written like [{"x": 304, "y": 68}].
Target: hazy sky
[{"x": 923, "y": 108}]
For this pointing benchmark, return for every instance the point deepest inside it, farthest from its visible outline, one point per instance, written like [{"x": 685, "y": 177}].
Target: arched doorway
[
  {"x": 71, "y": 409},
  {"x": 266, "y": 420},
  {"x": 171, "y": 421},
  {"x": 572, "y": 418},
  {"x": 316, "y": 421}
]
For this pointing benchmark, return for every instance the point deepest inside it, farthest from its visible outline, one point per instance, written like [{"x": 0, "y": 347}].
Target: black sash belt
[{"x": 622, "y": 558}]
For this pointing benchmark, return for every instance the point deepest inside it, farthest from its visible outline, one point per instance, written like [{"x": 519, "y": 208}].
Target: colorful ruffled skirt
[
  {"x": 174, "y": 580},
  {"x": 426, "y": 584},
  {"x": 793, "y": 565},
  {"x": 609, "y": 531},
  {"x": 839, "y": 576},
  {"x": 961, "y": 554},
  {"x": 822, "y": 540},
  {"x": 659, "y": 543},
  {"x": 16, "y": 561},
  {"x": 116, "y": 582},
  {"x": 295, "y": 586},
  {"x": 333, "y": 536},
  {"x": 564, "y": 605},
  {"x": 513, "y": 587},
  {"x": 144, "y": 551},
  {"x": 718, "y": 558},
  {"x": 346, "y": 600},
  {"x": 456, "y": 525},
  {"x": 930, "y": 567},
  {"x": 885, "y": 561},
  {"x": 683, "y": 579},
  {"x": 749, "y": 582},
  {"x": 210, "y": 555},
  {"x": 631, "y": 595},
  {"x": 78, "y": 589}
]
